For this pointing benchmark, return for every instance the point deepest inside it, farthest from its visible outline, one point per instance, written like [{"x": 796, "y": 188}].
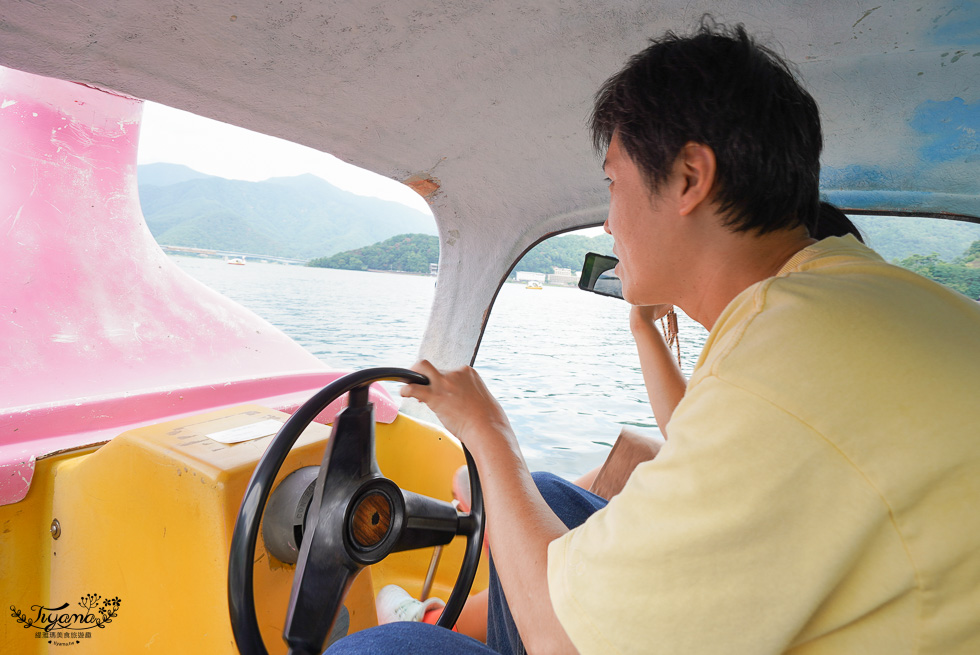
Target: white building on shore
[
  {"x": 530, "y": 276},
  {"x": 563, "y": 277}
]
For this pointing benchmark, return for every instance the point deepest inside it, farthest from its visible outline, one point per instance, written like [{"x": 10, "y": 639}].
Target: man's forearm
[
  {"x": 523, "y": 526},
  {"x": 665, "y": 384}
]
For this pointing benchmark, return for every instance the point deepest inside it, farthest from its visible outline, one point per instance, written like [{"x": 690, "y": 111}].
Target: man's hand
[
  {"x": 645, "y": 316},
  {"x": 460, "y": 399}
]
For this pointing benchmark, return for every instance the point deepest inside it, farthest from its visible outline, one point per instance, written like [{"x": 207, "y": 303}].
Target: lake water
[{"x": 561, "y": 361}]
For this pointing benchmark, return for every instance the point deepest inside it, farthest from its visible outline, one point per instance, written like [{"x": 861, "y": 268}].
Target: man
[{"x": 818, "y": 490}]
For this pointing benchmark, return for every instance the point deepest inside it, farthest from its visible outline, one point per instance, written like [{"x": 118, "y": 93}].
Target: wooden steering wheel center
[{"x": 371, "y": 519}]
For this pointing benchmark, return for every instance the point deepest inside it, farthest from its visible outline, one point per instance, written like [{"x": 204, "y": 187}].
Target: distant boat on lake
[{"x": 237, "y": 261}]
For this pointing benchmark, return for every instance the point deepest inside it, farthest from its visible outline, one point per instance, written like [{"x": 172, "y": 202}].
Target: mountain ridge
[{"x": 302, "y": 216}]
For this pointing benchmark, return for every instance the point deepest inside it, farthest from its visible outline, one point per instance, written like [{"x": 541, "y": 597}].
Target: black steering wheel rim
[{"x": 241, "y": 599}]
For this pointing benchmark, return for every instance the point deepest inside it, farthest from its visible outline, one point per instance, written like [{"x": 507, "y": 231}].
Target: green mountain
[
  {"x": 414, "y": 252},
  {"x": 971, "y": 257},
  {"x": 411, "y": 253},
  {"x": 962, "y": 275},
  {"x": 566, "y": 251},
  {"x": 945, "y": 251},
  {"x": 300, "y": 217},
  {"x": 898, "y": 237}
]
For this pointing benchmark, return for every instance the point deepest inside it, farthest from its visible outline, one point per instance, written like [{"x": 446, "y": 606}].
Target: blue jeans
[{"x": 573, "y": 506}]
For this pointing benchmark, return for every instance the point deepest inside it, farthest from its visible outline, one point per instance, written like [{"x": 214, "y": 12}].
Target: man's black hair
[
  {"x": 832, "y": 222},
  {"x": 721, "y": 89}
]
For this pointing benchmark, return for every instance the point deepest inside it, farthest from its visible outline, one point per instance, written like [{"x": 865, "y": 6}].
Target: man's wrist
[
  {"x": 642, "y": 328},
  {"x": 482, "y": 438}
]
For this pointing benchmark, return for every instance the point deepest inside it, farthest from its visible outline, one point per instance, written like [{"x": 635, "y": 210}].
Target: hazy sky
[{"x": 208, "y": 146}]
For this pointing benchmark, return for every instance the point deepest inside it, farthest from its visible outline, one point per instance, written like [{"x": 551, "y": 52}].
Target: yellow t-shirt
[{"x": 820, "y": 488}]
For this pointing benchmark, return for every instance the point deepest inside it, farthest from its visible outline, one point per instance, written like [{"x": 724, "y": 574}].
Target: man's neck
[{"x": 728, "y": 263}]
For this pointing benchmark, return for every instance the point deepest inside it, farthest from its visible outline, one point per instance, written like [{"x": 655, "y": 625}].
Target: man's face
[{"x": 641, "y": 227}]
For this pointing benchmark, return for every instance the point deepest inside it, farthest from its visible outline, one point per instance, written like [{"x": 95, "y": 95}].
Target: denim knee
[
  {"x": 572, "y": 504},
  {"x": 407, "y": 638}
]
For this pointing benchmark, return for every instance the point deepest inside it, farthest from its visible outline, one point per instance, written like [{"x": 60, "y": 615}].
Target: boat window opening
[
  {"x": 214, "y": 194},
  {"x": 562, "y": 362}
]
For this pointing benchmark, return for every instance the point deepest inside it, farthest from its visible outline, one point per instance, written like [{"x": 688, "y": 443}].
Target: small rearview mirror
[{"x": 598, "y": 276}]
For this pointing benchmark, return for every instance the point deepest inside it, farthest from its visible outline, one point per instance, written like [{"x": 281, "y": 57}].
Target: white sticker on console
[{"x": 247, "y": 432}]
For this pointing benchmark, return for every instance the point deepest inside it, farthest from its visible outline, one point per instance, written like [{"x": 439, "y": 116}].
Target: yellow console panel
[{"x": 137, "y": 557}]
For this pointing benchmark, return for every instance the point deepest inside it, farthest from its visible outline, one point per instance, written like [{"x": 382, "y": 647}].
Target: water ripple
[{"x": 561, "y": 362}]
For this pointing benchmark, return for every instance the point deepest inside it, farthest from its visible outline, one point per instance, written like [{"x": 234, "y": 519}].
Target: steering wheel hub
[
  {"x": 371, "y": 520},
  {"x": 375, "y": 521}
]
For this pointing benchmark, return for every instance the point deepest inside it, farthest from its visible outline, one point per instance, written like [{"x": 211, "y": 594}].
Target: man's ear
[{"x": 696, "y": 165}]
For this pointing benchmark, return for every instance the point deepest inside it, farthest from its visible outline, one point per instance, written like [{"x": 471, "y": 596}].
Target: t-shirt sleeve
[{"x": 706, "y": 549}]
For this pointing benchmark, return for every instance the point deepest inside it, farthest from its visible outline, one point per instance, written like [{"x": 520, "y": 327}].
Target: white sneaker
[{"x": 395, "y": 604}]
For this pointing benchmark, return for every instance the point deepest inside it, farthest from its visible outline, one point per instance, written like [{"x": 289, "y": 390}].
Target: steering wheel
[{"x": 356, "y": 517}]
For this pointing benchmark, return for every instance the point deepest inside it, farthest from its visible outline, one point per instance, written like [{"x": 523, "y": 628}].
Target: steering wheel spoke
[
  {"x": 428, "y": 522},
  {"x": 319, "y": 588},
  {"x": 350, "y": 451}
]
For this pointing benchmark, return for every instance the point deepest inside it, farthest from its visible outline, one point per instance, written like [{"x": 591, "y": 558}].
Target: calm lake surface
[{"x": 561, "y": 361}]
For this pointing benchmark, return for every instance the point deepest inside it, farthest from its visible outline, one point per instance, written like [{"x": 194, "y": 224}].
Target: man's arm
[
  {"x": 523, "y": 524},
  {"x": 664, "y": 382}
]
